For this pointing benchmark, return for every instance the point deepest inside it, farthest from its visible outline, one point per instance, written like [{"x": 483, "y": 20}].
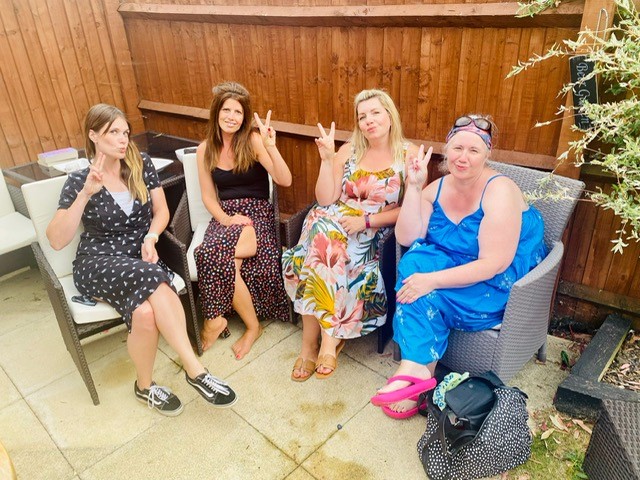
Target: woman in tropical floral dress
[{"x": 332, "y": 275}]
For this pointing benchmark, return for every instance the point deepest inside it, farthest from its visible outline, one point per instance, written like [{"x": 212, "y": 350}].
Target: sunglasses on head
[{"x": 481, "y": 123}]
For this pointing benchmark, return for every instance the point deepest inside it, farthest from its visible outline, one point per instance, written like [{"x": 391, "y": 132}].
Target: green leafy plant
[{"x": 613, "y": 139}]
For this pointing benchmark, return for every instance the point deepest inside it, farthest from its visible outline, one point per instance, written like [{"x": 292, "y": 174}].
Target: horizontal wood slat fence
[{"x": 305, "y": 60}]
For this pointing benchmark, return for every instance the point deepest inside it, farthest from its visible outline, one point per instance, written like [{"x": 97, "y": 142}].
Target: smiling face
[
  {"x": 466, "y": 155},
  {"x": 112, "y": 140},
  {"x": 231, "y": 116},
  {"x": 373, "y": 119}
]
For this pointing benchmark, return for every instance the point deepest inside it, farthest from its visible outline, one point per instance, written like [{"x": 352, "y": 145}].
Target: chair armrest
[
  {"x": 293, "y": 226},
  {"x": 528, "y": 308},
  {"x": 174, "y": 253},
  {"x": 180, "y": 225}
]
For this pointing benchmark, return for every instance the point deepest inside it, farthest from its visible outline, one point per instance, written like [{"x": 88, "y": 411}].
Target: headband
[{"x": 484, "y": 135}]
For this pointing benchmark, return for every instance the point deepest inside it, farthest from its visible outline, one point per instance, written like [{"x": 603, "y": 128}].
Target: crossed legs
[
  {"x": 242, "y": 303},
  {"x": 161, "y": 313}
]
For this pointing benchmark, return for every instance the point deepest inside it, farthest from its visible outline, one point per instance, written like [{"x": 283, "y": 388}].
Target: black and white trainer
[
  {"x": 159, "y": 398},
  {"x": 215, "y": 391}
]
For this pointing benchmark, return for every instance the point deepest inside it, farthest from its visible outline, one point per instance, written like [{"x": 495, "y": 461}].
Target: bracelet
[
  {"x": 367, "y": 223},
  {"x": 155, "y": 236}
]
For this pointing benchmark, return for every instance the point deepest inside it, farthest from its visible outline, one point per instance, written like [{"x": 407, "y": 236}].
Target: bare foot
[
  {"x": 245, "y": 342},
  {"x": 403, "y": 406},
  {"x": 211, "y": 331}
]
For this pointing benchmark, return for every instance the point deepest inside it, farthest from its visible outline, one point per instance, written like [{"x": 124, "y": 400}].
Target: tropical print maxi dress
[{"x": 335, "y": 276}]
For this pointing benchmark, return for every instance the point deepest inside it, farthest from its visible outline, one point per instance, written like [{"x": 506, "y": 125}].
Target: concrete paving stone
[
  {"x": 23, "y": 298},
  {"x": 8, "y": 392},
  {"x": 370, "y": 446},
  {"x": 300, "y": 474},
  {"x": 540, "y": 380},
  {"x": 365, "y": 351},
  {"x": 299, "y": 417},
  {"x": 34, "y": 454},
  {"x": 27, "y": 349},
  {"x": 220, "y": 360},
  {"x": 203, "y": 442},
  {"x": 86, "y": 433}
]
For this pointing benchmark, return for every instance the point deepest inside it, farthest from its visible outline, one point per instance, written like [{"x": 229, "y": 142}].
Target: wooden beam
[
  {"x": 592, "y": 19},
  {"x": 439, "y": 15},
  {"x": 600, "y": 297},
  {"x": 544, "y": 162}
]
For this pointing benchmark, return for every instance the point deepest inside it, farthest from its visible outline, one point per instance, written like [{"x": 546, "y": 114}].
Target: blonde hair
[
  {"x": 241, "y": 144},
  {"x": 396, "y": 137},
  {"x": 100, "y": 116}
]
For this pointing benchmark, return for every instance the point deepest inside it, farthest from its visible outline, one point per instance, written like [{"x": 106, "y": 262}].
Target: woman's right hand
[
  {"x": 326, "y": 143},
  {"x": 94, "y": 182},
  {"x": 236, "y": 220},
  {"x": 417, "y": 167}
]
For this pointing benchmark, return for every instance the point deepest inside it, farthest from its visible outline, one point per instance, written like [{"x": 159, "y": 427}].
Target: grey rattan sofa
[
  {"x": 77, "y": 321},
  {"x": 523, "y": 331}
]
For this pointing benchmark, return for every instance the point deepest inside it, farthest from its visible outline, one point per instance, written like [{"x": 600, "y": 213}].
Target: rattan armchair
[
  {"x": 76, "y": 321},
  {"x": 523, "y": 332}
]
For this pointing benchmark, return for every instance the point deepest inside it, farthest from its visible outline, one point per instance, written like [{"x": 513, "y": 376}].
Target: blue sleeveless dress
[{"x": 421, "y": 328}]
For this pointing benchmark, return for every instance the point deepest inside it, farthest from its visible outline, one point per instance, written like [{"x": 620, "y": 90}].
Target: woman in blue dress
[{"x": 472, "y": 236}]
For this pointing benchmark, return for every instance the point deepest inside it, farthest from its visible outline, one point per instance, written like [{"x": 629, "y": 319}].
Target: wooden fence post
[{"x": 593, "y": 19}]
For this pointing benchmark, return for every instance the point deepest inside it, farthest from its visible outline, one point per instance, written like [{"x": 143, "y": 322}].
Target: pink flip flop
[
  {"x": 418, "y": 385},
  {"x": 402, "y": 415}
]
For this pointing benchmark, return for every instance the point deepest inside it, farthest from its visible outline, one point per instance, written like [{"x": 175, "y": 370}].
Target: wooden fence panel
[{"x": 57, "y": 60}]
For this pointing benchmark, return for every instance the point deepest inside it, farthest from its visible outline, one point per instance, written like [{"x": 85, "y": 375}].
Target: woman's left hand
[
  {"x": 267, "y": 132},
  {"x": 353, "y": 225},
  {"x": 415, "y": 286},
  {"x": 149, "y": 253}
]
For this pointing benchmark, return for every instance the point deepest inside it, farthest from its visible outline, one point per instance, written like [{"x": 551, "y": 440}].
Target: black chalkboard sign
[{"x": 583, "y": 90}]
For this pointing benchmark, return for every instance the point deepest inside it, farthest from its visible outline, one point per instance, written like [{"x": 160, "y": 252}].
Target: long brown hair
[
  {"x": 241, "y": 144},
  {"x": 97, "y": 118}
]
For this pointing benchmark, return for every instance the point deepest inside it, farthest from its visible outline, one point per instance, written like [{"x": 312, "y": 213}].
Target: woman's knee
[
  {"x": 247, "y": 245},
  {"x": 143, "y": 318}
]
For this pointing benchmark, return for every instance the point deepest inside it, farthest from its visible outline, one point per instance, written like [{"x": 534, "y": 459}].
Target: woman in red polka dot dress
[{"x": 238, "y": 261}]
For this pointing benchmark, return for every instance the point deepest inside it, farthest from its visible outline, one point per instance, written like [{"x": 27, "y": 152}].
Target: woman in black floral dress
[
  {"x": 238, "y": 261},
  {"x": 123, "y": 209}
]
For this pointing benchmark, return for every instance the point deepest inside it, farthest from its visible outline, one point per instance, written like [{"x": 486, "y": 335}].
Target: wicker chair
[
  {"x": 523, "y": 332},
  {"x": 78, "y": 321},
  {"x": 16, "y": 234},
  {"x": 190, "y": 221}
]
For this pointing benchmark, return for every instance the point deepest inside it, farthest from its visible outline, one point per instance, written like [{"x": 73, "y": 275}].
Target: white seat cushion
[
  {"x": 100, "y": 311},
  {"x": 16, "y": 231},
  {"x": 198, "y": 236},
  {"x": 84, "y": 313},
  {"x": 42, "y": 202}
]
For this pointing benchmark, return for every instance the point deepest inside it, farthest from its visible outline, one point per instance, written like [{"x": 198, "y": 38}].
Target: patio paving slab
[
  {"x": 8, "y": 392},
  {"x": 203, "y": 442},
  {"x": 86, "y": 433},
  {"x": 299, "y": 417},
  {"x": 34, "y": 454},
  {"x": 370, "y": 446},
  {"x": 27, "y": 349},
  {"x": 23, "y": 299}
]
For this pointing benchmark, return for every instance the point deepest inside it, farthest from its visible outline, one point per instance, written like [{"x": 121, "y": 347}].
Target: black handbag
[{"x": 481, "y": 432}]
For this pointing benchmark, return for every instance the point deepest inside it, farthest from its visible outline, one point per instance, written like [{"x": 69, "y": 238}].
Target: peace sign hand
[
  {"x": 267, "y": 132},
  {"x": 326, "y": 143},
  {"x": 417, "y": 167},
  {"x": 94, "y": 181}
]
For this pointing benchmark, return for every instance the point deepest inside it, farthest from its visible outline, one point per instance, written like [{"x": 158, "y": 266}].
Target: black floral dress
[
  {"x": 108, "y": 262},
  {"x": 244, "y": 194}
]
